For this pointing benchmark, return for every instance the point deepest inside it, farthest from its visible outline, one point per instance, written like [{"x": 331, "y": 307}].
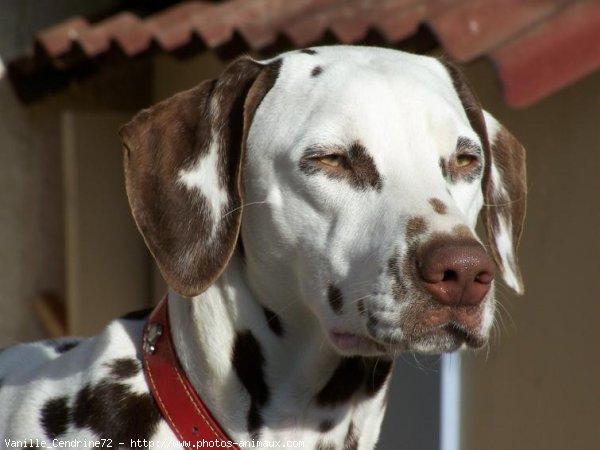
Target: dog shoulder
[{"x": 78, "y": 387}]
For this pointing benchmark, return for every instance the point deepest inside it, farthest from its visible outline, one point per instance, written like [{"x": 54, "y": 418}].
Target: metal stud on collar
[{"x": 153, "y": 334}]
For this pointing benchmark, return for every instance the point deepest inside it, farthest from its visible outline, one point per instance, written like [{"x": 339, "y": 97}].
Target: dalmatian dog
[{"x": 314, "y": 216}]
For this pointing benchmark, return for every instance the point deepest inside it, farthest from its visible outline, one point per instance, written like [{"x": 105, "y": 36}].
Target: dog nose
[{"x": 456, "y": 272}]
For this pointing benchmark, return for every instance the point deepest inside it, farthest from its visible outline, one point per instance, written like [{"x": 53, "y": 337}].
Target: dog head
[{"x": 351, "y": 178}]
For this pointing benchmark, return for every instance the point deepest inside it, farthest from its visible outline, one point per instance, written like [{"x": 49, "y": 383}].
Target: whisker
[{"x": 243, "y": 206}]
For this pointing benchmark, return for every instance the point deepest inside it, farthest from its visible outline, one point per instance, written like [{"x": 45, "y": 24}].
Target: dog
[{"x": 313, "y": 216}]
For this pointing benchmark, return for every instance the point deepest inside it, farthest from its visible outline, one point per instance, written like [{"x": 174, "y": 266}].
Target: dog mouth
[
  {"x": 444, "y": 338},
  {"x": 447, "y": 337},
  {"x": 353, "y": 343}
]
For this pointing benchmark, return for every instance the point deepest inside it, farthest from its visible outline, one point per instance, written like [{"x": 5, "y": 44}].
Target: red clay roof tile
[
  {"x": 551, "y": 55},
  {"x": 539, "y": 46}
]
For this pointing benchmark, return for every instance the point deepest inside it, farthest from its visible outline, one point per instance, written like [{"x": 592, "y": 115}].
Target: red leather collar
[{"x": 177, "y": 399}]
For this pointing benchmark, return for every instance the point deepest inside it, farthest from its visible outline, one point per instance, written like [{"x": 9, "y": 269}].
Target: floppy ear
[
  {"x": 183, "y": 161},
  {"x": 504, "y": 181},
  {"x": 505, "y": 197}
]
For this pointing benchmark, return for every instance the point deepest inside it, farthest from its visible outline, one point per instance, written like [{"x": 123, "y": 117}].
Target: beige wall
[
  {"x": 31, "y": 245},
  {"x": 32, "y": 256},
  {"x": 539, "y": 385},
  {"x": 172, "y": 75}
]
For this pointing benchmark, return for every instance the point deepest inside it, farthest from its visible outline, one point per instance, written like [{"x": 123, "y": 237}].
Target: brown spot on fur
[
  {"x": 248, "y": 362},
  {"x": 54, "y": 417},
  {"x": 353, "y": 376},
  {"x": 365, "y": 172},
  {"x": 318, "y": 70},
  {"x": 351, "y": 439},
  {"x": 273, "y": 321},
  {"x": 343, "y": 384},
  {"x": 326, "y": 426},
  {"x": 443, "y": 167},
  {"x": 107, "y": 410},
  {"x": 336, "y": 300},
  {"x": 462, "y": 231},
  {"x": 415, "y": 226},
  {"x": 358, "y": 168},
  {"x": 379, "y": 375},
  {"x": 308, "y": 51},
  {"x": 438, "y": 205},
  {"x": 123, "y": 368}
]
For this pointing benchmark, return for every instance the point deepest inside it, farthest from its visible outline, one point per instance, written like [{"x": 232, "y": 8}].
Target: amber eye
[
  {"x": 463, "y": 161},
  {"x": 332, "y": 160}
]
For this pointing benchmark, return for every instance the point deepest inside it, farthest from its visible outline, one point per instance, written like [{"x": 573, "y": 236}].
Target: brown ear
[
  {"x": 505, "y": 196},
  {"x": 504, "y": 181},
  {"x": 183, "y": 160}
]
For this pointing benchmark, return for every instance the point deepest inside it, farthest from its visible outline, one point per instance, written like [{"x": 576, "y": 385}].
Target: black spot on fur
[
  {"x": 248, "y": 363},
  {"x": 336, "y": 300},
  {"x": 344, "y": 383},
  {"x": 113, "y": 411},
  {"x": 54, "y": 417},
  {"x": 308, "y": 51},
  {"x": 141, "y": 314},
  {"x": 123, "y": 368},
  {"x": 63, "y": 347},
  {"x": 318, "y": 70},
  {"x": 273, "y": 322},
  {"x": 379, "y": 374},
  {"x": 351, "y": 439},
  {"x": 325, "y": 426},
  {"x": 357, "y": 167}
]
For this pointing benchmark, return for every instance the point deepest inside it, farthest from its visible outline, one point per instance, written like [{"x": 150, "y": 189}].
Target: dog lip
[
  {"x": 345, "y": 341},
  {"x": 350, "y": 341},
  {"x": 463, "y": 334}
]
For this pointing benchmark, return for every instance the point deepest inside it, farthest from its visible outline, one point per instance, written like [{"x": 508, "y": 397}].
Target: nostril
[
  {"x": 450, "y": 275},
  {"x": 484, "y": 277}
]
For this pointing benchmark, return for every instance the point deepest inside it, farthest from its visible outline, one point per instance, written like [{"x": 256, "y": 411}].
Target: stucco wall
[
  {"x": 30, "y": 213},
  {"x": 537, "y": 387},
  {"x": 31, "y": 188}
]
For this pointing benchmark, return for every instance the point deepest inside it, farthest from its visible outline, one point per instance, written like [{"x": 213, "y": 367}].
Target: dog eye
[
  {"x": 332, "y": 160},
  {"x": 465, "y": 161}
]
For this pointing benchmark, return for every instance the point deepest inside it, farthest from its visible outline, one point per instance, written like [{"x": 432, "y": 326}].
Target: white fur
[{"x": 204, "y": 177}]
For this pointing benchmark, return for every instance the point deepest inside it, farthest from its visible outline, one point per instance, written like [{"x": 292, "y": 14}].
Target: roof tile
[
  {"x": 538, "y": 45},
  {"x": 552, "y": 55},
  {"x": 469, "y": 28}
]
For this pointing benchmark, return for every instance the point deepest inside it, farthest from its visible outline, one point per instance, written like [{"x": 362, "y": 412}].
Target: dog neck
[{"x": 271, "y": 375}]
